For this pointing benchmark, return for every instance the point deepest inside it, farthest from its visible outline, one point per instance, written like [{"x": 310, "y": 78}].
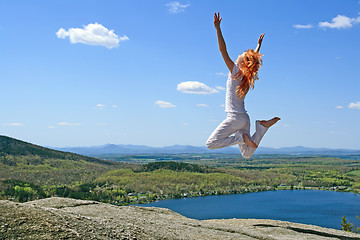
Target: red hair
[{"x": 249, "y": 67}]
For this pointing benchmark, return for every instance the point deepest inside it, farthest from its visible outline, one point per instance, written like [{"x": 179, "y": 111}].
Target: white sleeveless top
[{"x": 234, "y": 104}]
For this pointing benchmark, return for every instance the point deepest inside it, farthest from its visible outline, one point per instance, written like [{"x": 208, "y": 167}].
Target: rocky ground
[{"x": 64, "y": 218}]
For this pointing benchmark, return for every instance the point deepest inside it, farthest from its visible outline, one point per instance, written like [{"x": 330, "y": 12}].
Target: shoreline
[
  {"x": 141, "y": 197},
  {"x": 297, "y": 205}
]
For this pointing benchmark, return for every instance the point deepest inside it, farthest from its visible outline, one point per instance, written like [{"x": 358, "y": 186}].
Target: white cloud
[
  {"x": 114, "y": 106},
  {"x": 102, "y": 124},
  {"x": 222, "y": 105},
  {"x": 68, "y": 124},
  {"x": 62, "y": 33},
  {"x": 339, "y": 22},
  {"x": 51, "y": 127},
  {"x": 299, "y": 26},
  {"x": 195, "y": 88},
  {"x": 355, "y": 105},
  {"x": 13, "y": 124},
  {"x": 339, "y": 107},
  {"x": 92, "y": 34},
  {"x": 202, "y": 105},
  {"x": 220, "y": 88},
  {"x": 100, "y": 106},
  {"x": 176, "y": 7},
  {"x": 357, "y": 20},
  {"x": 163, "y": 104},
  {"x": 221, "y": 74}
]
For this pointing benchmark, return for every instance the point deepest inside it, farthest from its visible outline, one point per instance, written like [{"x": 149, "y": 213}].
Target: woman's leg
[
  {"x": 248, "y": 141},
  {"x": 270, "y": 122},
  {"x": 226, "y": 134},
  {"x": 261, "y": 128}
]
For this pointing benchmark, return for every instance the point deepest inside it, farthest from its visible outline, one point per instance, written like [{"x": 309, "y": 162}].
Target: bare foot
[
  {"x": 248, "y": 141},
  {"x": 270, "y": 122}
]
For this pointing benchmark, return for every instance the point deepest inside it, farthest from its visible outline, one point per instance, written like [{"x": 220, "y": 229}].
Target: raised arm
[
  {"x": 222, "y": 46},
  {"x": 257, "y": 49}
]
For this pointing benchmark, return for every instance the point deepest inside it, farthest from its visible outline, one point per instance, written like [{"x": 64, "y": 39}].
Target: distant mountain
[
  {"x": 300, "y": 150},
  {"x": 14, "y": 147},
  {"x": 112, "y": 149}
]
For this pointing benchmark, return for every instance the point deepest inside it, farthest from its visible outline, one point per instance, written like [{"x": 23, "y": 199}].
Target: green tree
[{"x": 346, "y": 226}]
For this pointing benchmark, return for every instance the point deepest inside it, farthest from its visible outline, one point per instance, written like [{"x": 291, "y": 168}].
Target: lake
[{"x": 321, "y": 208}]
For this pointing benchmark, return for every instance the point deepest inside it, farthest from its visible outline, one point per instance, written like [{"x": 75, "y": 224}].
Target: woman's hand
[
  {"x": 261, "y": 38},
  {"x": 259, "y": 42},
  {"x": 221, "y": 42},
  {"x": 217, "y": 20}
]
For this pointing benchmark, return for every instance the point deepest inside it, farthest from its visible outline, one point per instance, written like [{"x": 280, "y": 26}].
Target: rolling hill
[
  {"x": 24, "y": 161},
  {"x": 17, "y": 148}
]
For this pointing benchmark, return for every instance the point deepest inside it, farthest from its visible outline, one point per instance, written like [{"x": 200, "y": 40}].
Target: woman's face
[{"x": 240, "y": 59}]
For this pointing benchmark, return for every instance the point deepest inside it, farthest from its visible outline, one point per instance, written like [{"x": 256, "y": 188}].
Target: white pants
[{"x": 230, "y": 132}]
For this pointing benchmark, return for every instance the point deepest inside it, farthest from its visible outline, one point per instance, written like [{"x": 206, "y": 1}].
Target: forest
[
  {"x": 123, "y": 183},
  {"x": 29, "y": 172}
]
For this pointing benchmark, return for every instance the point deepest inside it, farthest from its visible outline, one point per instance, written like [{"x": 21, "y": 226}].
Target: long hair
[{"x": 251, "y": 62}]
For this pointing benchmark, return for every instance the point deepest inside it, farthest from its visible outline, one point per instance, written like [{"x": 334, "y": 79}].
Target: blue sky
[{"x": 85, "y": 73}]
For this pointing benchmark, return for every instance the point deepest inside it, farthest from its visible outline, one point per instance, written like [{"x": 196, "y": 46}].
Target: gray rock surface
[{"x": 64, "y": 218}]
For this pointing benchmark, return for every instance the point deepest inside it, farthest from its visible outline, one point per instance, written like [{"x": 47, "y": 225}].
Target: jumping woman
[{"x": 235, "y": 129}]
